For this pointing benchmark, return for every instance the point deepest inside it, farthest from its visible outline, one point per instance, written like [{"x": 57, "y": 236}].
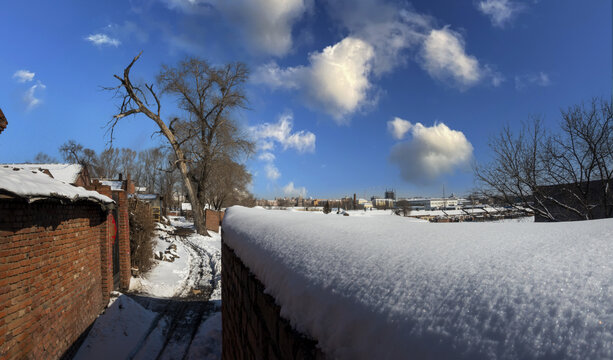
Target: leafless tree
[
  {"x": 74, "y": 152},
  {"x": 227, "y": 184},
  {"x": 43, "y": 158},
  {"x": 212, "y": 139},
  {"x": 570, "y": 170},
  {"x": 208, "y": 95}
]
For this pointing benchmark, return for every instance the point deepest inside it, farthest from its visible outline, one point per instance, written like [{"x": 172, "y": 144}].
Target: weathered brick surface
[
  {"x": 51, "y": 286},
  {"x": 252, "y": 325},
  {"x": 123, "y": 226},
  {"x": 213, "y": 219}
]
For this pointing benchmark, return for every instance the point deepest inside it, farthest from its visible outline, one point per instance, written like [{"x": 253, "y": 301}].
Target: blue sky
[{"x": 345, "y": 96}]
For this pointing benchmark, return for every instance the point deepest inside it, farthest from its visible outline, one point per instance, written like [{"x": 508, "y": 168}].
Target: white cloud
[
  {"x": 339, "y": 79},
  {"x": 102, "y": 39},
  {"x": 335, "y": 81},
  {"x": 272, "y": 172},
  {"x": 500, "y": 11},
  {"x": 281, "y": 132},
  {"x": 267, "y": 156},
  {"x": 398, "y": 127},
  {"x": 266, "y": 24},
  {"x": 431, "y": 152},
  {"x": 30, "y": 98},
  {"x": 391, "y": 30},
  {"x": 541, "y": 79},
  {"x": 23, "y": 76},
  {"x": 444, "y": 57},
  {"x": 291, "y": 190}
]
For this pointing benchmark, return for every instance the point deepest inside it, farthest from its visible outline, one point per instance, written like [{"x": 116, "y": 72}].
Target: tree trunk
[{"x": 199, "y": 222}]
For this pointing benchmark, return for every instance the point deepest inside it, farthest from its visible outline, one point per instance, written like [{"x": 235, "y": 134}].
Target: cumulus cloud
[
  {"x": 391, "y": 30},
  {"x": 29, "y": 97},
  {"x": 541, "y": 79},
  {"x": 339, "y": 79},
  {"x": 291, "y": 190},
  {"x": 336, "y": 80},
  {"x": 430, "y": 152},
  {"x": 281, "y": 132},
  {"x": 500, "y": 12},
  {"x": 23, "y": 76},
  {"x": 398, "y": 127},
  {"x": 272, "y": 173},
  {"x": 102, "y": 40},
  {"x": 444, "y": 57},
  {"x": 266, "y": 24}
]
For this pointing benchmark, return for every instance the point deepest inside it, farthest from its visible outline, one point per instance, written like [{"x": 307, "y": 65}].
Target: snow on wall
[
  {"x": 34, "y": 184},
  {"x": 385, "y": 287},
  {"x": 67, "y": 173}
]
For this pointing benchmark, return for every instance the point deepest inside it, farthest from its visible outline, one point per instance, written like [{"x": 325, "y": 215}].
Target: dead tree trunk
[{"x": 131, "y": 105}]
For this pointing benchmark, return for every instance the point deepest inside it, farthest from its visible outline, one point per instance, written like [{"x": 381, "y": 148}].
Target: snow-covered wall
[{"x": 386, "y": 287}]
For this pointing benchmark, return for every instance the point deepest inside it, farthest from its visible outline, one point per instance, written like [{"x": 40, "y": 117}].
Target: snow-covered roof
[
  {"x": 146, "y": 196},
  {"x": 386, "y": 287},
  {"x": 115, "y": 185},
  {"x": 34, "y": 185},
  {"x": 64, "y": 172}
]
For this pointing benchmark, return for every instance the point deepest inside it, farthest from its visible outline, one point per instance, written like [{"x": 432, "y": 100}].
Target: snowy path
[{"x": 180, "y": 302}]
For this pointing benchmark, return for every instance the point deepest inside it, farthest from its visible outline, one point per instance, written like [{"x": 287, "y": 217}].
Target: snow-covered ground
[
  {"x": 383, "y": 287},
  {"x": 173, "y": 311}
]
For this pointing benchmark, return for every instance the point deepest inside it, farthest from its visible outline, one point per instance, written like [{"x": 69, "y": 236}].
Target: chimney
[
  {"x": 120, "y": 177},
  {"x": 3, "y": 121}
]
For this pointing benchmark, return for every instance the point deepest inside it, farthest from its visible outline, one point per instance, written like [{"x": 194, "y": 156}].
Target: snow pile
[
  {"x": 166, "y": 279},
  {"x": 33, "y": 184},
  {"x": 382, "y": 287},
  {"x": 117, "y": 332},
  {"x": 67, "y": 173}
]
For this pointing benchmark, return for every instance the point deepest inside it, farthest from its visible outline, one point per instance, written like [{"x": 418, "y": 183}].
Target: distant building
[
  {"x": 567, "y": 194},
  {"x": 383, "y": 203},
  {"x": 431, "y": 204},
  {"x": 390, "y": 194}
]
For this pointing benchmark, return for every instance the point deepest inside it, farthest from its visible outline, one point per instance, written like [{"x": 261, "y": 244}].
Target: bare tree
[
  {"x": 74, "y": 152},
  {"x": 227, "y": 184},
  {"x": 567, "y": 172},
  {"x": 43, "y": 158},
  {"x": 212, "y": 140},
  {"x": 208, "y": 95}
]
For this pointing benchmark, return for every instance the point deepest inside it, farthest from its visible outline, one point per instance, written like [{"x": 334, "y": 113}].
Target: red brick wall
[
  {"x": 252, "y": 324},
  {"x": 123, "y": 225},
  {"x": 51, "y": 286},
  {"x": 212, "y": 220}
]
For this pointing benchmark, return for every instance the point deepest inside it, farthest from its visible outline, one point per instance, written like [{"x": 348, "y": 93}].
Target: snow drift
[{"x": 385, "y": 287}]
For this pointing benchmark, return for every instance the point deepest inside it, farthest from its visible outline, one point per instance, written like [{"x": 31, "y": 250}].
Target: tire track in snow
[{"x": 179, "y": 318}]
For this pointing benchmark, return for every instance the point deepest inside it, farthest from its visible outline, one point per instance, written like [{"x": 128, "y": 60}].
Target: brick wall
[
  {"x": 252, "y": 326},
  {"x": 51, "y": 286},
  {"x": 213, "y": 219},
  {"x": 123, "y": 236}
]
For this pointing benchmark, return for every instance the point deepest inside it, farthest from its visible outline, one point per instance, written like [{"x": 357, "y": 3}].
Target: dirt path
[{"x": 178, "y": 319}]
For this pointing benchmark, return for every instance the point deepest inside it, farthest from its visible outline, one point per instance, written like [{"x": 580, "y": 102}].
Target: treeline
[{"x": 226, "y": 183}]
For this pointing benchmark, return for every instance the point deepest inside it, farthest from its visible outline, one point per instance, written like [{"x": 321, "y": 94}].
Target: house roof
[
  {"x": 64, "y": 172},
  {"x": 36, "y": 185}
]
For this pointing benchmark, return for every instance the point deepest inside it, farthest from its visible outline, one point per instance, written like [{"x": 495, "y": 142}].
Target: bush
[{"x": 141, "y": 235}]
